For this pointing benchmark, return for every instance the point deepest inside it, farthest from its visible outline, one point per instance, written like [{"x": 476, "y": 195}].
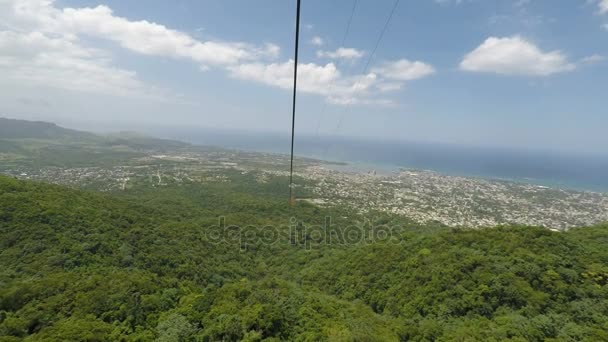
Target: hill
[
  {"x": 32, "y": 144},
  {"x": 154, "y": 264},
  {"x": 143, "y": 142},
  {"x": 12, "y": 129},
  {"x": 22, "y": 129}
]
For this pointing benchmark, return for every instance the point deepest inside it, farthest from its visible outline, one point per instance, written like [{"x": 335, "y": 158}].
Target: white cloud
[
  {"x": 593, "y": 59},
  {"x": 514, "y": 56},
  {"x": 605, "y": 26},
  {"x": 341, "y": 53},
  {"x": 404, "y": 70},
  {"x": 318, "y": 41},
  {"x": 39, "y": 59},
  {"x": 389, "y": 86},
  {"x": 451, "y": 2},
  {"x": 42, "y": 44},
  {"x": 53, "y": 41},
  {"x": 311, "y": 77},
  {"x": 603, "y": 6},
  {"x": 153, "y": 39},
  {"x": 324, "y": 80}
]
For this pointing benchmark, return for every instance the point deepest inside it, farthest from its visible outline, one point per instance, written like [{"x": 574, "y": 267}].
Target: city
[{"x": 423, "y": 196}]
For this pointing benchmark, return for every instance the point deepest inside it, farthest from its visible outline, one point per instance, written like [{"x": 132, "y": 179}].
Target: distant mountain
[
  {"x": 22, "y": 129},
  {"x": 138, "y": 141}
]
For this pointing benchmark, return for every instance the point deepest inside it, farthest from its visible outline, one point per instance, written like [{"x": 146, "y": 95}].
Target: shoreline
[{"x": 363, "y": 168}]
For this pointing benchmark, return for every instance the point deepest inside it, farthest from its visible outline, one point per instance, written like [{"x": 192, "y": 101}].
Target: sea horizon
[{"x": 546, "y": 168}]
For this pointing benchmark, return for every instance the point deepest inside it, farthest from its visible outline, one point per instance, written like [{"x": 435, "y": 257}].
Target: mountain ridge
[
  {"x": 17, "y": 129},
  {"x": 24, "y": 129}
]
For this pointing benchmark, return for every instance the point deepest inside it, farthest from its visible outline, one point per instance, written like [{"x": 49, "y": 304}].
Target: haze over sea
[{"x": 554, "y": 169}]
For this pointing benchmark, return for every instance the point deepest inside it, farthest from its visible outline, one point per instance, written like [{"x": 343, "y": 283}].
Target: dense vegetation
[
  {"x": 146, "y": 264},
  {"x": 155, "y": 263}
]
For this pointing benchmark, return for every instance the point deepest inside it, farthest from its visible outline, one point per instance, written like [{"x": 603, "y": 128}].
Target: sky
[{"x": 521, "y": 73}]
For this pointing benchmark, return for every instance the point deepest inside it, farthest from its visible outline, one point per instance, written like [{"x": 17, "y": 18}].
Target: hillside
[
  {"x": 18, "y": 130},
  {"x": 143, "y": 142},
  {"x": 22, "y": 129},
  {"x": 153, "y": 264},
  {"x": 32, "y": 144}
]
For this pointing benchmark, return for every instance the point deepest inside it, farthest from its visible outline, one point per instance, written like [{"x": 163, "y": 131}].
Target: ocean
[{"x": 558, "y": 170}]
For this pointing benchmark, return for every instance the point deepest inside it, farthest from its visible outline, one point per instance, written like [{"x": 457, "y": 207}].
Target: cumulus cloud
[
  {"x": 40, "y": 59},
  {"x": 341, "y": 53},
  {"x": 43, "y": 44},
  {"x": 311, "y": 77},
  {"x": 514, "y": 56},
  {"x": 326, "y": 80},
  {"x": 593, "y": 59},
  {"x": 404, "y": 70},
  {"x": 451, "y": 2},
  {"x": 318, "y": 41},
  {"x": 139, "y": 36},
  {"x": 603, "y": 6},
  {"x": 153, "y": 39},
  {"x": 323, "y": 80},
  {"x": 390, "y": 86}
]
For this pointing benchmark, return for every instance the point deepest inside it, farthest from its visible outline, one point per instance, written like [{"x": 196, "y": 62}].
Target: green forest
[{"x": 155, "y": 265}]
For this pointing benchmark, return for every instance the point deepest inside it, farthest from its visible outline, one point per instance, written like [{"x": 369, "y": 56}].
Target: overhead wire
[
  {"x": 293, "y": 109},
  {"x": 379, "y": 40},
  {"x": 364, "y": 71},
  {"x": 371, "y": 56},
  {"x": 344, "y": 37},
  {"x": 366, "y": 66}
]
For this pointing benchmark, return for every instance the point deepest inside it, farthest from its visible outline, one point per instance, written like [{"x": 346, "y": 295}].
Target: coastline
[{"x": 389, "y": 170}]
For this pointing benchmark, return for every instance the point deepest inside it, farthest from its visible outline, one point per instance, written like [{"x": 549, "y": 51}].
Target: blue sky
[{"x": 507, "y": 73}]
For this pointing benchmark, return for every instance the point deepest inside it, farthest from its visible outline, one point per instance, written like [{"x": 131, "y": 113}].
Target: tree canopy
[{"x": 142, "y": 265}]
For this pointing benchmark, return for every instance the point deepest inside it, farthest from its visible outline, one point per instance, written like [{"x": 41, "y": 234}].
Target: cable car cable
[{"x": 293, "y": 113}]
